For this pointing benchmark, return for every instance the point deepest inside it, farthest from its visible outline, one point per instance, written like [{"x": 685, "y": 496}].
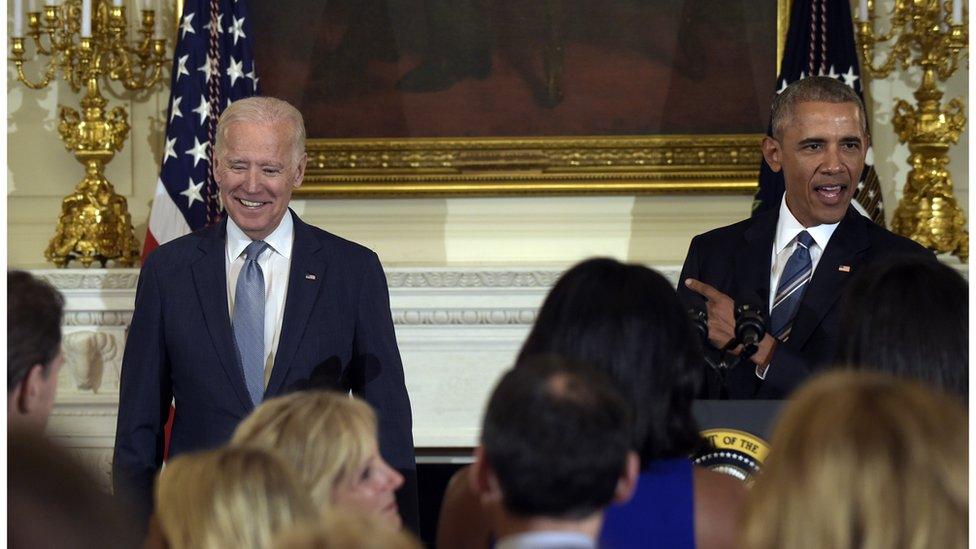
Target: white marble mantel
[{"x": 458, "y": 328}]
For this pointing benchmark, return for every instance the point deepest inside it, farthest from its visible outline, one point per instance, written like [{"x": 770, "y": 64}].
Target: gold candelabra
[
  {"x": 923, "y": 34},
  {"x": 94, "y": 223}
]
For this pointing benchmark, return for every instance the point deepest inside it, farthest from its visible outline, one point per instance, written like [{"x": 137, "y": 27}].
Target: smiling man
[
  {"x": 793, "y": 262},
  {"x": 256, "y": 306}
]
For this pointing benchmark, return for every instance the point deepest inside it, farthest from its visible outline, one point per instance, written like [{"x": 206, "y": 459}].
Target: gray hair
[
  {"x": 822, "y": 89},
  {"x": 269, "y": 111}
]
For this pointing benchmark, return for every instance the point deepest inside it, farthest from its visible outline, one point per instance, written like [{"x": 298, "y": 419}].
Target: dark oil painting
[{"x": 379, "y": 69}]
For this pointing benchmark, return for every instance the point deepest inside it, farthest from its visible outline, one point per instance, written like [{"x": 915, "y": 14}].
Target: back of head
[
  {"x": 556, "y": 436},
  {"x": 813, "y": 89},
  {"x": 52, "y": 501},
  {"x": 266, "y": 111},
  {"x": 628, "y": 322},
  {"x": 863, "y": 460},
  {"x": 231, "y": 497},
  {"x": 343, "y": 529},
  {"x": 323, "y": 435},
  {"x": 909, "y": 317},
  {"x": 34, "y": 312}
]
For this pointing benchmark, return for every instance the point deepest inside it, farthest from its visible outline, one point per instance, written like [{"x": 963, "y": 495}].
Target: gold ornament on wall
[
  {"x": 930, "y": 35},
  {"x": 86, "y": 41}
]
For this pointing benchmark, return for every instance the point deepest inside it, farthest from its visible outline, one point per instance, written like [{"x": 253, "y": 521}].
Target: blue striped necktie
[
  {"x": 796, "y": 276},
  {"x": 249, "y": 320}
]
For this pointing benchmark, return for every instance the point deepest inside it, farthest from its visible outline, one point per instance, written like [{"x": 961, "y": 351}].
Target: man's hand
[{"x": 720, "y": 310}]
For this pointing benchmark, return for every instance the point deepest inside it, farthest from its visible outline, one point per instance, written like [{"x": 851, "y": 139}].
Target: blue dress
[{"x": 661, "y": 513}]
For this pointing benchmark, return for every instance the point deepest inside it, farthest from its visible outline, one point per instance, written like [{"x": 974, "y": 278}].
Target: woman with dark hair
[
  {"x": 908, "y": 317},
  {"x": 628, "y": 321}
]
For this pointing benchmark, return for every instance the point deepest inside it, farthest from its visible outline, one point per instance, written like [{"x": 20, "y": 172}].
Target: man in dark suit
[
  {"x": 257, "y": 306},
  {"x": 794, "y": 262}
]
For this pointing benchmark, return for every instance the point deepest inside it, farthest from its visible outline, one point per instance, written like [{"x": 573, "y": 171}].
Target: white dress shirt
[
  {"x": 787, "y": 229},
  {"x": 546, "y": 540},
  {"x": 275, "y": 262}
]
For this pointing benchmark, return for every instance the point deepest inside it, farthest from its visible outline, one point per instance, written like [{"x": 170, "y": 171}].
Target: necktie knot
[
  {"x": 255, "y": 249},
  {"x": 804, "y": 239}
]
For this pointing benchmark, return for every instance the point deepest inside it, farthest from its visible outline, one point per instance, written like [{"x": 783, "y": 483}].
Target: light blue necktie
[
  {"x": 792, "y": 285},
  {"x": 249, "y": 320}
]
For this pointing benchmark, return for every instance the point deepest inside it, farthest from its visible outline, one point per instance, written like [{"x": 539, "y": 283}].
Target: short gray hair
[
  {"x": 822, "y": 89},
  {"x": 269, "y": 111}
]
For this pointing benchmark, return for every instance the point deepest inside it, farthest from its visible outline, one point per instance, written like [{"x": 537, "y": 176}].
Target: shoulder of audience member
[{"x": 719, "y": 500}]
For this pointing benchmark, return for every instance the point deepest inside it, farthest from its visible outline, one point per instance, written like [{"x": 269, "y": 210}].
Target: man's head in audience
[
  {"x": 34, "y": 311},
  {"x": 555, "y": 448},
  {"x": 820, "y": 140}
]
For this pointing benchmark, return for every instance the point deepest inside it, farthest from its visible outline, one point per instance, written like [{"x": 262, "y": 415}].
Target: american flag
[
  {"x": 821, "y": 42},
  {"x": 213, "y": 66}
]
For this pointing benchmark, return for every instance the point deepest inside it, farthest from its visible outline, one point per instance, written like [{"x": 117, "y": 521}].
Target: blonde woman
[
  {"x": 330, "y": 440},
  {"x": 863, "y": 460},
  {"x": 343, "y": 529},
  {"x": 230, "y": 497}
]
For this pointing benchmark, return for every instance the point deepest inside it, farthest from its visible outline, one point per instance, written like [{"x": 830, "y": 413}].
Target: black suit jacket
[
  {"x": 336, "y": 332},
  {"x": 737, "y": 260}
]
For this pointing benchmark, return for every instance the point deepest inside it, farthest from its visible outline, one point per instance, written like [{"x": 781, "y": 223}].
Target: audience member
[
  {"x": 34, "y": 312},
  {"x": 555, "y": 451},
  {"x": 231, "y": 497},
  {"x": 52, "y": 501},
  {"x": 909, "y": 317},
  {"x": 344, "y": 529},
  {"x": 330, "y": 439},
  {"x": 863, "y": 460},
  {"x": 628, "y": 322}
]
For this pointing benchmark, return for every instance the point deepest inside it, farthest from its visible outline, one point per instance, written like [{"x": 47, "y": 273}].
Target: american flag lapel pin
[
  {"x": 309, "y": 276},
  {"x": 844, "y": 268}
]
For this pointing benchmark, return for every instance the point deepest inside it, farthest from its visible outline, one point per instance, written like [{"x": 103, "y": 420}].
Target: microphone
[
  {"x": 699, "y": 319},
  {"x": 750, "y": 327}
]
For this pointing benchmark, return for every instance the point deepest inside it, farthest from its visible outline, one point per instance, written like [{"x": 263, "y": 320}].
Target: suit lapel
[
  {"x": 210, "y": 279},
  {"x": 306, "y": 279},
  {"x": 753, "y": 264},
  {"x": 848, "y": 240}
]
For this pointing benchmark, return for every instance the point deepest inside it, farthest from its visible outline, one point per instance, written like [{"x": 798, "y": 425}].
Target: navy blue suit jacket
[
  {"x": 337, "y": 332},
  {"x": 737, "y": 260}
]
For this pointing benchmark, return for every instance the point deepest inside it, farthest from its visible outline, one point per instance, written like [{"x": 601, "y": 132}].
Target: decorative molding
[
  {"x": 93, "y": 279},
  {"x": 474, "y": 278},
  {"x": 97, "y": 318},
  {"x": 463, "y": 317}
]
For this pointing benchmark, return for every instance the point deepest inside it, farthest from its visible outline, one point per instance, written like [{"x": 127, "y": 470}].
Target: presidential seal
[{"x": 735, "y": 453}]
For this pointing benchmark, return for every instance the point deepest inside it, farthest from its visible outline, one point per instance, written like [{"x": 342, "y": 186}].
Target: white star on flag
[
  {"x": 181, "y": 69},
  {"x": 832, "y": 73},
  {"x": 203, "y": 110},
  {"x": 192, "y": 193},
  {"x": 235, "y": 70},
  {"x": 781, "y": 88},
  {"x": 253, "y": 77},
  {"x": 170, "y": 149},
  {"x": 850, "y": 77},
  {"x": 187, "y": 26},
  {"x": 237, "y": 29},
  {"x": 175, "y": 111},
  {"x": 207, "y": 67},
  {"x": 199, "y": 151},
  {"x": 219, "y": 28}
]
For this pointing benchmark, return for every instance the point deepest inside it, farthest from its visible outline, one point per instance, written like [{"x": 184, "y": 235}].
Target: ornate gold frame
[{"x": 537, "y": 165}]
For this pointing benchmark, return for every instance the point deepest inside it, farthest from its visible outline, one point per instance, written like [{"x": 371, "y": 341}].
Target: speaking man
[
  {"x": 792, "y": 262},
  {"x": 555, "y": 451},
  {"x": 257, "y": 306}
]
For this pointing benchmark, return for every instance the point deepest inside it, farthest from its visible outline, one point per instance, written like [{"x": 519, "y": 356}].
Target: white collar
[
  {"x": 787, "y": 227},
  {"x": 280, "y": 239}
]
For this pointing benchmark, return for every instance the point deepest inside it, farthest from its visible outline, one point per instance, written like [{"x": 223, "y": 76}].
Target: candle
[
  {"x": 33, "y": 6},
  {"x": 18, "y": 18},
  {"x": 158, "y": 29},
  {"x": 957, "y": 12},
  {"x": 86, "y": 16},
  {"x": 862, "y": 10}
]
